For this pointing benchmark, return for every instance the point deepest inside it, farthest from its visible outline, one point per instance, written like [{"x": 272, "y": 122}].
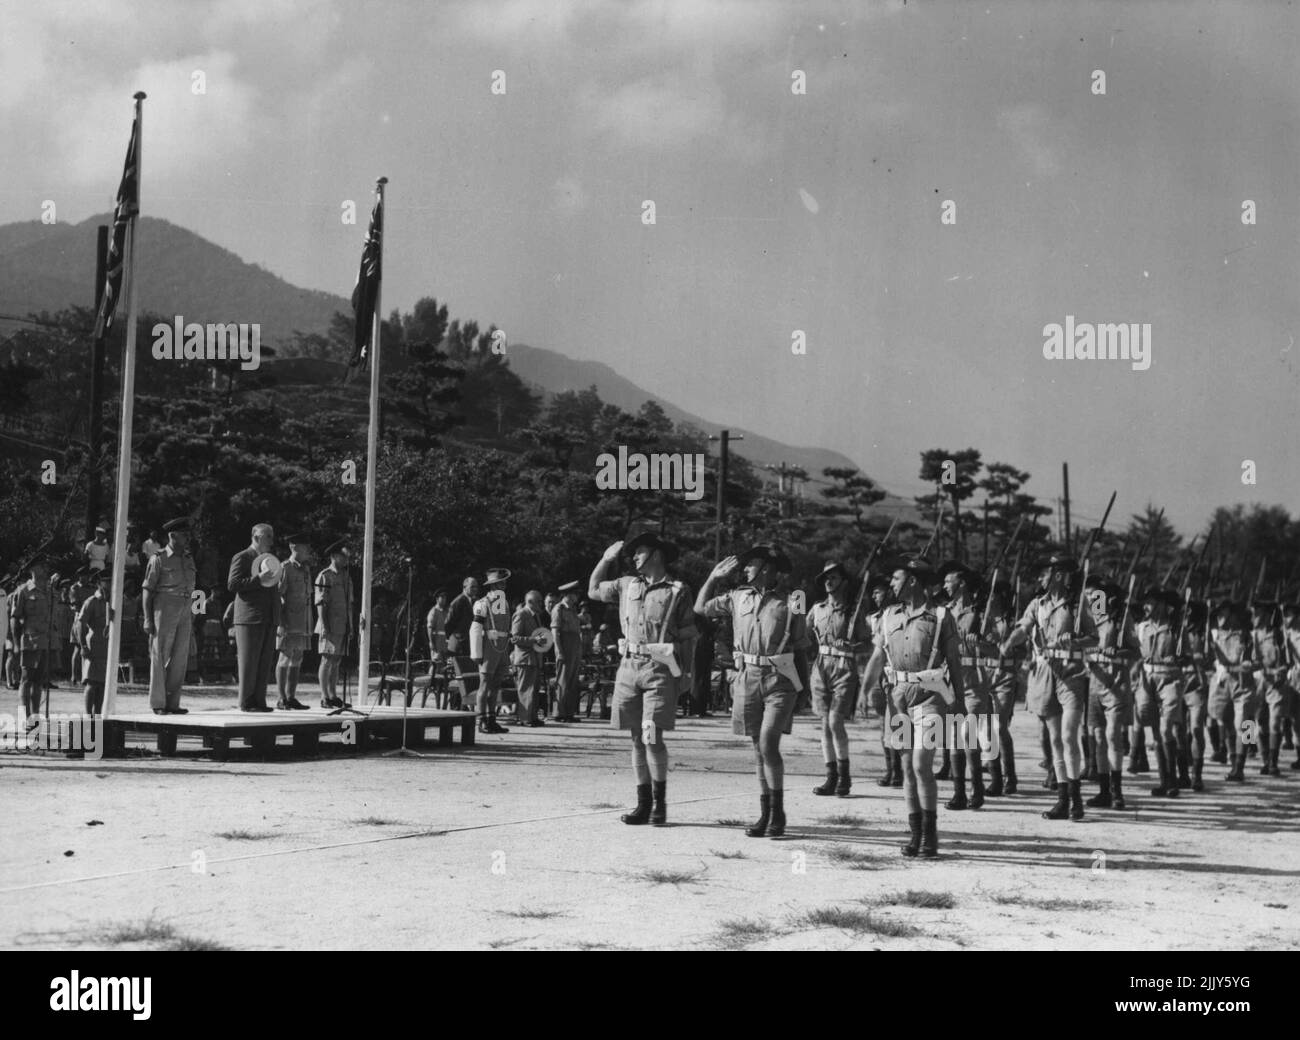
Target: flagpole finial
[
  {"x": 140, "y": 95},
  {"x": 381, "y": 180}
]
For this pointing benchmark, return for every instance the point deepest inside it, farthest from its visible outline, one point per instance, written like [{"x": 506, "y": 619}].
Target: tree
[
  {"x": 852, "y": 492},
  {"x": 953, "y": 474}
]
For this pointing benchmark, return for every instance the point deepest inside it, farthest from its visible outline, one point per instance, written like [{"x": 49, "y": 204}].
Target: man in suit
[
  {"x": 566, "y": 627},
  {"x": 525, "y": 660},
  {"x": 257, "y": 615}
]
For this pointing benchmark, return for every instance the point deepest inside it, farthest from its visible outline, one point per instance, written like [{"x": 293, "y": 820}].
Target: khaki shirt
[
  {"x": 567, "y": 629},
  {"x": 296, "y": 598},
  {"x": 170, "y": 574},
  {"x": 644, "y": 608},
  {"x": 828, "y": 624},
  {"x": 909, "y": 638},
  {"x": 762, "y": 623},
  {"x": 33, "y": 614},
  {"x": 333, "y": 602}
]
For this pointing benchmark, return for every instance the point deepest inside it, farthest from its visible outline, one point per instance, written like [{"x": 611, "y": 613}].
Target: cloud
[
  {"x": 1029, "y": 127},
  {"x": 662, "y": 111}
]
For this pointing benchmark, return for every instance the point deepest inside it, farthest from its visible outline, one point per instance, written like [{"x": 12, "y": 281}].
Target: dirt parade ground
[{"x": 515, "y": 843}]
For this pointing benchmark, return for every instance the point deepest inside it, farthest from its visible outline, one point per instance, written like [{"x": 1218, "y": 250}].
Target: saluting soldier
[
  {"x": 334, "y": 624},
  {"x": 1110, "y": 700},
  {"x": 769, "y": 638},
  {"x": 566, "y": 627},
  {"x": 31, "y": 622},
  {"x": 917, "y": 644},
  {"x": 1058, "y": 682},
  {"x": 655, "y": 612},
  {"x": 961, "y": 583},
  {"x": 489, "y": 640},
  {"x": 296, "y": 619},
  {"x": 167, "y": 606},
  {"x": 1160, "y": 691},
  {"x": 1270, "y": 657},
  {"x": 840, "y": 633}
]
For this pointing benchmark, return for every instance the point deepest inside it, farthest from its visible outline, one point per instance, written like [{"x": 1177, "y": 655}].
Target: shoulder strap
[{"x": 940, "y": 613}]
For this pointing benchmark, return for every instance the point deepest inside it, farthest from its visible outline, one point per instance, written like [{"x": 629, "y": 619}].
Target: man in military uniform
[
  {"x": 296, "y": 621},
  {"x": 566, "y": 628},
  {"x": 435, "y": 623},
  {"x": 879, "y": 698},
  {"x": 81, "y": 590},
  {"x": 167, "y": 605},
  {"x": 1195, "y": 697},
  {"x": 91, "y": 630},
  {"x": 257, "y": 617},
  {"x": 1003, "y": 686},
  {"x": 1233, "y": 696},
  {"x": 489, "y": 640},
  {"x": 1291, "y": 632},
  {"x": 1160, "y": 692},
  {"x": 334, "y": 613},
  {"x": 1058, "y": 682},
  {"x": 31, "y": 623},
  {"x": 526, "y": 659},
  {"x": 840, "y": 633},
  {"x": 961, "y": 583},
  {"x": 769, "y": 637},
  {"x": 655, "y": 612},
  {"x": 916, "y": 645},
  {"x": 1270, "y": 658},
  {"x": 1110, "y": 701}
]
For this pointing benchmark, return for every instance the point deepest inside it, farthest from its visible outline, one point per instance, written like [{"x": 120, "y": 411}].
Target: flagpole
[
  {"x": 120, "y": 516},
  {"x": 372, "y": 463}
]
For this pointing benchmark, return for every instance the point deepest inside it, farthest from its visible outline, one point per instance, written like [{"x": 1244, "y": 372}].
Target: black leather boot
[
  {"x": 1171, "y": 755},
  {"x": 976, "y": 781},
  {"x": 659, "y": 814},
  {"x": 1050, "y": 781},
  {"x": 1117, "y": 791},
  {"x": 1009, "y": 768},
  {"x": 929, "y": 834},
  {"x": 888, "y": 779},
  {"x": 898, "y": 768},
  {"x": 1061, "y": 810},
  {"x": 777, "y": 827},
  {"x": 958, "y": 800},
  {"x": 1237, "y": 774},
  {"x": 913, "y": 846},
  {"x": 1197, "y": 766},
  {"x": 1076, "y": 799},
  {"x": 1102, "y": 799},
  {"x": 759, "y": 827},
  {"x": 995, "y": 779},
  {"x": 1184, "y": 779},
  {"x": 641, "y": 814},
  {"x": 846, "y": 780},
  {"x": 1166, "y": 780},
  {"x": 832, "y": 776}
]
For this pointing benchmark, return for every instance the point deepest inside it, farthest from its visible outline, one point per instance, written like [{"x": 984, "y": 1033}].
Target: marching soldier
[
  {"x": 1291, "y": 631},
  {"x": 489, "y": 641},
  {"x": 1160, "y": 692},
  {"x": 1195, "y": 697},
  {"x": 566, "y": 627},
  {"x": 960, "y": 583},
  {"x": 1270, "y": 657},
  {"x": 1058, "y": 683},
  {"x": 31, "y": 623},
  {"x": 334, "y": 612},
  {"x": 656, "y": 616},
  {"x": 840, "y": 633},
  {"x": 879, "y": 696},
  {"x": 1004, "y": 683},
  {"x": 1109, "y": 696},
  {"x": 917, "y": 642},
  {"x": 768, "y": 637},
  {"x": 167, "y": 592},
  {"x": 526, "y": 659},
  {"x": 296, "y": 621},
  {"x": 1233, "y": 696}
]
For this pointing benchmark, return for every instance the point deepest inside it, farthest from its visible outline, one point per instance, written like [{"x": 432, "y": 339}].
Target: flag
[
  {"x": 128, "y": 206},
  {"x": 366, "y": 291}
]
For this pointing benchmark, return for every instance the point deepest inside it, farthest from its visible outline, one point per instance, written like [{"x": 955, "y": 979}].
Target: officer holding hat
[{"x": 167, "y": 592}]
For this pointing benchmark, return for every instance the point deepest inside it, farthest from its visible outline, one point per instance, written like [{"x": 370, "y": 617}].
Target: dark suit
[{"x": 257, "y": 614}]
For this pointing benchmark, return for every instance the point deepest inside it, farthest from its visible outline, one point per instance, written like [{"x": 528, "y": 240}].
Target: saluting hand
[
  {"x": 612, "y": 552},
  {"x": 725, "y": 567}
]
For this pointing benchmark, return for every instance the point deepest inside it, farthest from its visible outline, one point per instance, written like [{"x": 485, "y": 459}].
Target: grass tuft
[
  {"x": 855, "y": 859},
  {"x": 668, "y": 877},
  {"x": 842, "y": 820},
  {"x": 921, "y": 900},
  {"x": 376, "y": 821},
  {"x": 732, "y": 821},
  {"x": 240, "y": 834},
  {"x": 532, "y": 915},
  {"x": 860, "y": 922},
  {"x": 724, "y": 854},
  {"x": 1030, "y": 903}
]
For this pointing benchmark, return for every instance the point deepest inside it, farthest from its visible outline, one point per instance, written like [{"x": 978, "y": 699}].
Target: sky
[{"x": 774, "y": 211}]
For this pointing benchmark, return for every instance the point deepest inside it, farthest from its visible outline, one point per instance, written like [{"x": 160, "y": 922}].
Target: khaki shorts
[
  {"x": 913, "y": 699},
  {"x": 761, "y": 697},
  {"x": 1051, "y": 693},
  {"x": 644, "y": 691},
  {"x": 1105, "y": 702},
  {"x": 35, "y": 664},
  {"x": 291, "y": 646},
  {"x": 834, "y": 687}
]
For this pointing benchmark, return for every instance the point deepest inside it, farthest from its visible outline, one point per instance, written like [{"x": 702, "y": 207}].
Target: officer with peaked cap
[
  {"x": 769, "y": 635},
  {"x": 489, "y": 640},
  {"x": 566, "y": 627},
  {"x": 1058, "y": 681},
  {"x": 167, "y": 591},
  {"x": 334, "y": 625},
  {"x": 657, "y": 621}
]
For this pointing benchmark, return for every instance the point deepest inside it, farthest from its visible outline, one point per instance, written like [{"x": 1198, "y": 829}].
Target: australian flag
[
  {"x": 367, "y": 288},
  {"x": 128, "y": 205}
]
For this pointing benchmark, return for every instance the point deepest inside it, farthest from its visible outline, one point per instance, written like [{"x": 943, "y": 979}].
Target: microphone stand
[{"x": 408, "y": 689}]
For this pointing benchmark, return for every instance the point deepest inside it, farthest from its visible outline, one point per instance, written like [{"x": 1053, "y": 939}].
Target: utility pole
[
  {"x": 724, "y": 440},
  {"x": 984, "y": 563},
  {"x": 1065, "y": 481},
  {"x": 95, "y": 420}
]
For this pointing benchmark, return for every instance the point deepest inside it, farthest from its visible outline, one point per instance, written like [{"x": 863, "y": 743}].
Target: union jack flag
[
  {"x": 128, "y": 206},
  {"x": 366, "y": 291}
]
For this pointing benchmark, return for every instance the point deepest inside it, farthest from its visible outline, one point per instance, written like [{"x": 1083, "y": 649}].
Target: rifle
[
  {"x": 1142, "y": 549},
  {"x": 1083, "y": 591},
  {"x": 988, "y": 604},
  {"x": 1087, "y": 546},
  {"x": 1008, "y": 544},
  {"x": 1173, "y": 567},
  {"x": 938, "y": 519},
  {"x": 1182, "y": 621},
  {"x": 866, "y": 571},
  {"x": 1187, "y": 579},
  {"x": 1259, "y": 583},
  {"x": 1123, "y": 624}
]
